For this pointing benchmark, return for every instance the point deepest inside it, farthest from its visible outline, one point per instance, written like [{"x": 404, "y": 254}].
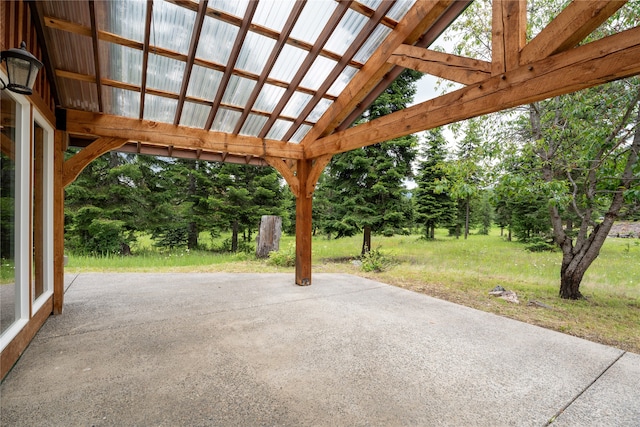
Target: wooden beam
[
  {"x": 612, "y": 58},
  {"x": 314, "y": 175},
  {"x": 145, "y": 56},
  {"x": 509, "y": 30},
  {"x": 570, "y": 27},
  {"x": 74, "y": 165},
  {"x": 287, "y": 173},
  {"x": 304, "y": 211},
  {"x": 445, "y": 65},
  {"x": 164, "y": 134},
  {"x": 422, "y": 15},
  {"x": 96, "y": 52},
  {"x": 60, "y": 145}
]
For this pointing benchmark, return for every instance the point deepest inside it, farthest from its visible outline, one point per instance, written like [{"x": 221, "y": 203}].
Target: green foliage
[
  {"x": 376, "y": 261},
  {"x": 284, "y": 257},
  {"x": 538, "y": 244}
]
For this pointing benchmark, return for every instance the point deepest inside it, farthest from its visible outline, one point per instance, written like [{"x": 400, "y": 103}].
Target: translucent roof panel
[
  {"x": 224, "y": 35},
  {"x": 122, "y": 17},
  {"x": 288, "y": 63},
  {"x": 75, "y": 52},
  {"x": 253, "y": 125},
  {"x": 373, "y": 42},
  {"x": 235, "y": 7},
  {"x": 255, "y": 52},
  {"x": 121, "y": 63},
  {"x": 342, "y": 81},
  {"x": 319, "y": 110},
  {"x": 165, "y": 73},
  {"x": 159, "y": 109},
  {"x": 344, "y": 34},
  {"x": 225, "y": 120},
  {"x": 172, "y": 26},
  {"x": 318, "y": 72},
  {"x": 296, "y": 104},
  {"x": 194, "y": 115},
  {"x": 268, "y": 98},
  {"x": 79, "y": 95},
  {"x": 279, "y": 129},
  {"x": 300, "y": 133},
  {"x": 121, "y": 102},
  {"x": 204, "y": 82},
  {"x": 238, "y": 91},
  {"x": 400, "y": 9},
  {"x": 312, "y": 20},
  {"x": 273, "y": 14}
]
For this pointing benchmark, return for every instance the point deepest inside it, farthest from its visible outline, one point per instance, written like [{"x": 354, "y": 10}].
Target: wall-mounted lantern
[{"x": 22, "y": 69}]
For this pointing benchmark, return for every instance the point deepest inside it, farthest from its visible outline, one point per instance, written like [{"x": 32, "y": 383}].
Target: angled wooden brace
[{"x": 74, "y": 165}]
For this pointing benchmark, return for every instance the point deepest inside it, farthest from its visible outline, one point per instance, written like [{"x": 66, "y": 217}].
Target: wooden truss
[{"x": 553, "y": 63}]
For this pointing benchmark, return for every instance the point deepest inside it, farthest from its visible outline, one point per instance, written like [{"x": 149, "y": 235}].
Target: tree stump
[{"x": 269, "y": 235}]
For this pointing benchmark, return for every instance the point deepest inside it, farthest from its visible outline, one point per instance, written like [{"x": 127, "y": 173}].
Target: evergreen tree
[{"x": 433, "y": 207}]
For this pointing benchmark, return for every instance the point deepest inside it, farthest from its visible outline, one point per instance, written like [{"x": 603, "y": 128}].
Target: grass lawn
[{"x": 457, "y": 270}]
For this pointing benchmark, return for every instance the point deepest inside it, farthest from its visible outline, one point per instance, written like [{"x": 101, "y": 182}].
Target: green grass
[{"x": 458, "y": 270}]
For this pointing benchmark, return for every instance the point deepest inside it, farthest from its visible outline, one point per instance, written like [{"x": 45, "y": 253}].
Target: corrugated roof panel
[
  {"x": 400, "y": 9},
  {"x": 74, "y": 52},
  {"x": 72, "y": 11},
  {"x": 288, "y": 63},
  {"x": 253, "y": 125},
  {"x": 300, "y": 133},
  {"x": 279, "y": 129},
  {"x": 79, "y": 95},
  {"x": 373, "y": 42},
  {"x": 255, "y": 52},
  {"x": 238, "y": 91},
  {"x": 194, "y": 115},
  {"x": 236, "y": 7},
  {"x": 268, "y": 98},
  {"x": 121, "y": 102},
  {"x": 204, "y": 82},
  {"x": 319, "y": 110},
  {"x": 342, "y": 81},
  {"x": 312, "y": 20},
  {"x": 273, "y": 14},
  {"x": 171, "y": 27},
  {"x": 216, "y": 40},
  {"x": 296, "y": 104},
  {"x": 318, "y": 72},
  {"x": 122, "y": 17},
  {"x": 344, "y": 34},
  {"x": 159, "y": 108},
  {"x": 165, "y": 73},
  {"x": 371, "y": 4},
  {"x": 225, "y": 120},
  {"x": 120, "y": 63}
]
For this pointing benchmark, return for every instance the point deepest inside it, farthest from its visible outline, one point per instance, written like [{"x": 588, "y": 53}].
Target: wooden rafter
[
  {"x": 570, "y": 27},
  {"x": 96, "y": 52},
  {"x": 355, "y": 46},
  {"x": 145, "y": 55},
  {"x": 447, "y": 66},
  {"x": 164, "y": 134},
  {"x": 191, "y": 56},
  {"x": 75, "y": 164},
  {"x": 233, "y": 57},
  {"x": 417, "y": 20},
  {"x": 271, "y": 61},
  {"x": 327, "y": 31},
  {"x": 509, "y": 31},
  {"x": 611, "y": 58}
]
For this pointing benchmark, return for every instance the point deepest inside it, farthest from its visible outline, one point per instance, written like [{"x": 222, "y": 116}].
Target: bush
[
  {"x": 538, "y": 244},
  {"x": 283, "y": 257},
  {"x": 376, "y": 261}
]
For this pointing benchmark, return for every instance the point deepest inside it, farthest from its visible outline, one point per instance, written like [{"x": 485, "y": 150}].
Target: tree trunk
[
  {"x": 366, "y": 241},
  {"x": 192, "y": 239},
  {"x": 466, "y": 219},
  {"x": 269, "y": 235},
  {"x": 234, "y": 237},
  {"x": 571, "y": 274}
]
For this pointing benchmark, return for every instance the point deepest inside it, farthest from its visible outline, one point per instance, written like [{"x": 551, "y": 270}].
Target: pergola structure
[{"x": 280, "y": 83}]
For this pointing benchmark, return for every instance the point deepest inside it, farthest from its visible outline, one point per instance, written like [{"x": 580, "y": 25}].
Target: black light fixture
[{"x": 22, "y": 69}]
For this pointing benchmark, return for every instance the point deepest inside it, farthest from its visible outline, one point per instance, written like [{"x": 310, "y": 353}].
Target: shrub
[
  {"x": 538, "y": 244},
  {"x": 376, "y": 261},
  {"x": 283, "y": 257}
]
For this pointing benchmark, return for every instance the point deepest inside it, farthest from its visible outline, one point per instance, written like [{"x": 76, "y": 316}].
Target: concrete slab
[{"x": 254, "y": 349}]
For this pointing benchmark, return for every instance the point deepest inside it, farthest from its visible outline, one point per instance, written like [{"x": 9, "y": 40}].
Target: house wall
[{"x": 27, "y": 136}]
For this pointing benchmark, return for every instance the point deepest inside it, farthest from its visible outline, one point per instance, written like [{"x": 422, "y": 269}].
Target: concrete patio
[{"x": 254, "y": 349}]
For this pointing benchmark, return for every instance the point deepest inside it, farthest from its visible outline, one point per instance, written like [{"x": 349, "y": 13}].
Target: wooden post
[
  {"x": 60, "y": 146},
  {"x": 304, "y": 203}
]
